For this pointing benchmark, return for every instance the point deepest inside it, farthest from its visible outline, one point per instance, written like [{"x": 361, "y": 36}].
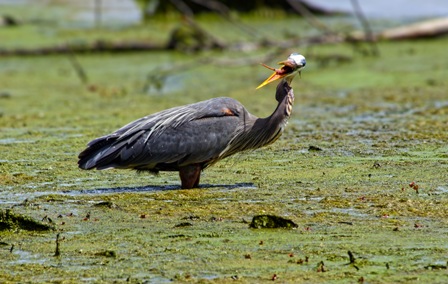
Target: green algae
[{"x": 380, "y": 124}]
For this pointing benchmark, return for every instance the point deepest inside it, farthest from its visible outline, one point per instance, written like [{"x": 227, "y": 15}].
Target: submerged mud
[
  {"x": 271, "y": 222},
  {"x": 11, "y": 221}
]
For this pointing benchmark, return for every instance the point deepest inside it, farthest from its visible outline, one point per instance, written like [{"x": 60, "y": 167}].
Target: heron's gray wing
[
  {"x": 197, "y": 141},
  {"x": 181, "y": 135}
]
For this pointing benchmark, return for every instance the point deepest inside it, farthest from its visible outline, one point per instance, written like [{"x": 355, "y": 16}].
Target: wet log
[
  {"x": 427, "y": 29},
  {"x": 97, "y": 46}
]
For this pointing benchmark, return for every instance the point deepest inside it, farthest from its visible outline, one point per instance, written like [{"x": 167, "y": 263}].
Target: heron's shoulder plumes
[{"x": 177, "y": 116}]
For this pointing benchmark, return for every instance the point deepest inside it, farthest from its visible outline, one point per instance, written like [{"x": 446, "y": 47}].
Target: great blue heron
[{"x": 190, "y": 138}]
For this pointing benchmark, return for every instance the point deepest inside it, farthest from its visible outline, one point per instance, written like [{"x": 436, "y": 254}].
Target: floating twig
[
  {"x": 57, "y": 251},
  {"x": 352, "y": 260}
]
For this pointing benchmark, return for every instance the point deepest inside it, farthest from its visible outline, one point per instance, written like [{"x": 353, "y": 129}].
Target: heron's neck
[
  {"x": 274, "y": 124},
  {"x": 285, "y": 98},
  {"x": 259, "y": 132}
]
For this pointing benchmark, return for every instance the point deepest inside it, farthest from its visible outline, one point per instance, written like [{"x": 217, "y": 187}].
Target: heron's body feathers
[{"x": 167, "y": 140}]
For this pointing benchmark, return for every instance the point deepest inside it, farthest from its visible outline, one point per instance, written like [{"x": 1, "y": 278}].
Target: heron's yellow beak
[{"x": 284, "y": 71}]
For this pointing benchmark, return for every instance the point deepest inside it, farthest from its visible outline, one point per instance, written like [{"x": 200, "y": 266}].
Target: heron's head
[{"x": 290, "y": 68}]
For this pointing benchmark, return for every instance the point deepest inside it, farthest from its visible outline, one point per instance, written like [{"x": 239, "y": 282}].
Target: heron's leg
[{"x": 190, "y": 175}]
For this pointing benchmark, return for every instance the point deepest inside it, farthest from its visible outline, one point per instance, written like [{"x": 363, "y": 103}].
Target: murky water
[
  {"x": 406, "y": 10},
  {"x": 106, "y": 12},
  {"x": 88, "y": 13}
]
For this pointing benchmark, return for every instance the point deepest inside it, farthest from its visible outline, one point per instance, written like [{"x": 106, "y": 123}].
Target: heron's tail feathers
[{"x": 101, "y": 154}]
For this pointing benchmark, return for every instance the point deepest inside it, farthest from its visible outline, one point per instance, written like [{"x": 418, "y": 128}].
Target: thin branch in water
[
  {"x": 214, "y": 6},
  {"x": 351, "y": 257},
  {"x": 183, "y": 8},
  {"x": 366, "y": 26},
  {"x": 352, "y": 260},
  {"x": 224, "y": 12},
  {"x": 78, "y": 68},
  {"x": 298, "y": 6},
  {"x": 57, "y": 251},
  {"x": 189, "y": 19}
]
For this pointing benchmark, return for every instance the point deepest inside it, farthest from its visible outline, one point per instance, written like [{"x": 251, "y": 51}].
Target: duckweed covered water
[{"x": 363, "y": 134}]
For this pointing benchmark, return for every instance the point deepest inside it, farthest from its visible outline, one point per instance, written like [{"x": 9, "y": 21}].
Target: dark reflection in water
[{"x": 152, "y": 188}]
